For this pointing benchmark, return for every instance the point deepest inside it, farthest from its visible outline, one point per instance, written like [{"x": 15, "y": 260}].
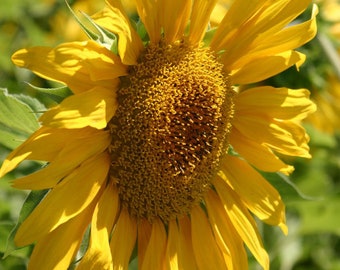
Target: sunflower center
[{"x": 170, "y": 130}]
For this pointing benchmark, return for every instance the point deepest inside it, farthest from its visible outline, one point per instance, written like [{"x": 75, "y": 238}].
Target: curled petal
[{"x": 270, "y": 117}]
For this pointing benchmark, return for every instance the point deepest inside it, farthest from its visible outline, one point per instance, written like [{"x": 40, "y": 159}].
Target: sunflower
[{"x": 156, "y": 150}]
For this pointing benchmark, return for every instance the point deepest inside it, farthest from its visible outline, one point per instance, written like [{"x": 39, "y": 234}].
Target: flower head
[{"x": 158, "y": 150}]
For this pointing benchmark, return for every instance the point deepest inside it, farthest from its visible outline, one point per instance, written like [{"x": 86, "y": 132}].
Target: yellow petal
[
  {"x": 174, "y": 18},
  {"x": 67, "y": 200},
  {"x": 98, "y": 254},
  {"x": 155, "y": 251},
  {"x": 186, "y": 257},
  {"x": 172, "y": 248},
  {"x": 114, "y": 19},
  {"x": 259, "y": 155},
  {"x": 237, "y": 15},
  {"x": 45, "y": 145},
  {"x": 219, "y": 12},
  {"x": 57, "y": 249},
  {"x": 207, "y": 253},
  {"x": 199, "y": 19},
  {"x": 289, "y": 139},
  {"x": 149, "y": 12},
  {"x": 289, "y": 38},
  {"x": 249, "y": 72},
  {"x": 65, "y": 162},
  {"x": 280, "y": 103},
  {"x": 93, "y": 108},
  {"x": 79, "y": 65},
  {"x": 25, "y": 151},
  {"x": 144, "y": 233},
  {"x": 286, "y": 137},
  {"x": 123, "y": 240},
  {"x": 258, "y": 114},
  {"x": 242, "y": 221},
  {"x": 260, "y": 21},
  {"x": 257, "y": 194},
  {"x": 226, "y": 236}
]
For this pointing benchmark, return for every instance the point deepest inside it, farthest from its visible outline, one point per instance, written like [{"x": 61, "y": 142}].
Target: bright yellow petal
[
  {"x": 279, "y": 103},
  {"x": 199, "y": 19},
  {"x": 271, "y": 117},
  {"x": 172, "y": 248},
  {"x": 257, "y": 194},
  {"x": 207, "y": 253},
  {"x": 237, "y": 16},
  {"x": 114, "y": 19},
  {"x": 93, "y": 108},
  {"x": 289, "y": 38},
  {"x": 45, "y": 144},
  {"x": 219, "y": 12},
  {"x": 244, "y": 28},
  {"x": 186, "y": 257},
  {"x": 286, "y": 137},
  {"x": 226, "y": 236},
  {"x": 179, "y": 252},
  {"x": 79, "y": 65},
  {"x": 69, "y": 158},
  {"x": 25, "y": 151},
  {"x": 150, "y": 12},
  {"x": 123, "y": 240},
  {"x": 57, "y": 249},
  {"x": 242, "y": 221},
  {"x": 249, "y": 72},
  {"x": 174, "y": 18},
  {"x": 155, "y": 251},
  {"x": 68, "y": 199},
  {"x": 259, "y": 155},
  {"x": 98, "y": 254}
]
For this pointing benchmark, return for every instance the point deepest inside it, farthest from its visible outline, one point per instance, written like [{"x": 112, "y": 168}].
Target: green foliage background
[{"x": 311, "y": 194}]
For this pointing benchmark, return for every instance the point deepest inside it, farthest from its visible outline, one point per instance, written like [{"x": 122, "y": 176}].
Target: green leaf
[
  {"x": 15, "y": 114},
  {"x": 88, "y": 32},
  {"x": 101, "y": 35},
  {"x": 105, "y": 38},
  {"x": 58, "y": 94},
  {"x": 35, "y": 105},
  {"x": 32, "y": 200},
  {"x": 17, "y": 119},
  {"x": 10, "y": 138}
]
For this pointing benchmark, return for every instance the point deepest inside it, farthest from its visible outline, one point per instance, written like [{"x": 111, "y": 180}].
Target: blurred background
[{"x": 311, "y": 193}]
